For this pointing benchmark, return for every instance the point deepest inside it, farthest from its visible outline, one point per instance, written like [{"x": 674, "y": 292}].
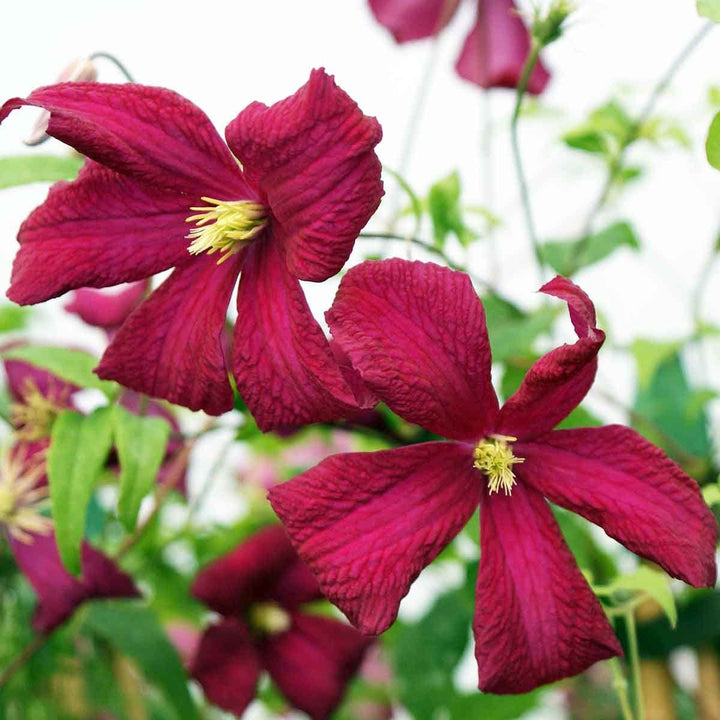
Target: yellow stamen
[
  {"x": 269, "y": 618},
  {"x": 21, "y": 500},
  {"x": 35, "y": 415},
  {"x": 494, "y": 458},
  {"x": 225, "y": 226}
]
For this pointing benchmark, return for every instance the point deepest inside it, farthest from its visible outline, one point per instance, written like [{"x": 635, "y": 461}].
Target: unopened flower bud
[
  {"x": 548, "y": 27},
  {"x": 79, "y": 70}
]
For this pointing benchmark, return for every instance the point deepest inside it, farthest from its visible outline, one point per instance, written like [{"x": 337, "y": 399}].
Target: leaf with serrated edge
[{"x": 78, "y": 449}]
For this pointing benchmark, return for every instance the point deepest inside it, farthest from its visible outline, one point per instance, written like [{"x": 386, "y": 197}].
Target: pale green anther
[
  {"x": 494, "y": 458},
  {"x": 269, "y": 618}
]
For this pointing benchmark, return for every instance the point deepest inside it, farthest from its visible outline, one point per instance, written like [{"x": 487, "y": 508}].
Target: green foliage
[
  {"x": 589, "y": 555},
  {"x": 426, "y": 655},
  {"x": 134, "y": 631},
  {"x": 650, "y": 582},
  {"x": 140, "y": 443},
  {"x": 13, "y": 317},
  {"x": 666, "y": 410},
  {"x": 416, "y": 206},
  {"x": 513, "y": 332},
  {"x": 443, "y": 203},
  {"x": 75, "y": 366},
  {"x": 605, "y": 131},
  {"x": 709, "y": 9},
  {"x": 712, "y": 144},
  {"x": 78, "y": 449},
  {"x": 26, "y": 169},
  {"x": 566, "y": 257}
]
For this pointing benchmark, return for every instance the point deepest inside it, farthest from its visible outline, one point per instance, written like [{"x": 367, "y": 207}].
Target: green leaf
[
  {"x": 74, "y": 366},
  {"x": 652, "y": 582},
  {"x": 586, "y": 140},
  {"x": 78, "y": 449},
  {"x": 25, "y": 169},
  {"x": 589, "y": 555},
  {"x": 568, "y": 256},
  {"x": 445, "y": 212},
  {"x": 709, "y": 9},
  {"x": 649, "y": 355},
  {"x": 134, "y": 631},
  {"x": 711, "y": 494},
  {"x": 667, "y": 402},
  {"x": 140, "y": 443},
  {"x": 13, "y": 317},
  {"x": 712, "y": 144},
  {"x": 416, "y": 206},
  {"x": 513, "y": 332}
]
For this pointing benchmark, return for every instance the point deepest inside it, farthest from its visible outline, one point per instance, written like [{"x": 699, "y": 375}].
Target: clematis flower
[
  {"x": 38, "y": 397},
  {"x": 259, "y": 589},
  {"x": 106, "y": 310},
  {"x": 367, "y": 523},
  {"x": 160, "y": 190},
  {"x": 30, "y": 535},
  {"x": 493, "y": 54}
]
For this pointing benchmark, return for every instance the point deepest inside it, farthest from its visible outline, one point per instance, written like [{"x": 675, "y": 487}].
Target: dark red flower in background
[
  {"x": 367, "y": 523},
  {"x": 23, "y": 497},
  {"x": 493, "y": 54},
  {"x": 259, "y": 589},
  {"x": 160, "y": 190},
  {"x": 106, "y": 310}
]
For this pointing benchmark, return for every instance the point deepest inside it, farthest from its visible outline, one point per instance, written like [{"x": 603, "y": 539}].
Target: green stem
[
  {"x": 115, "y": 62},
  {"x": 522, "y": 180},
  {"x": 616, "y": 165},
  {"x": 635, "y": 662},
  {"x": 621, "y": 688},
  {"x": 20, "y": 659}
]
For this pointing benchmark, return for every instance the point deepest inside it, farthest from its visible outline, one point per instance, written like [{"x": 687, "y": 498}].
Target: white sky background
[{"x": 224, "y": 55}]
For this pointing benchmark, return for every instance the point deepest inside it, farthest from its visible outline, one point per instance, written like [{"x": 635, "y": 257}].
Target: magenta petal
[
  {"x": 618, "y": 480},
  {"x": 413, "y": 20},
  {"x": 367, "y": 523},
  {"x": 227, "y": 666},
  {"x": 416, "y": 333},
  {"x": 59, "y": 593},
  {"x": 151, "y": 134},
  {"x": 99, "y": 230},
  {"x": 107, "y": 310},
  {"x": 247, "y": 574},
  {"x": 313, "y": 661},
  {"x": 312, "y": 157},
  {"x": 170, "y": 347},
  {"x": 282, "y": 362},
  {"x": 560, "y": 379},
  {"x": 536, "y": 619},
  {"x": 495, "y": 51}
]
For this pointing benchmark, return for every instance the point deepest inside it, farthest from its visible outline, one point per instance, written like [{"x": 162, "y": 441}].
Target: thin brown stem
[{"x": 20, "y": 659}]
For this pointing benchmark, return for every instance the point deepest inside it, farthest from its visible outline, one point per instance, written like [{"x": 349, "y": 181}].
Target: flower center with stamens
[
  {"x": 225, "y": 226},
  {"x": 494, "y": 457},
  {"x": 34, "y": 417},
  {"x": 268, "y": 618},
  {"x": 21, "y": 500}
]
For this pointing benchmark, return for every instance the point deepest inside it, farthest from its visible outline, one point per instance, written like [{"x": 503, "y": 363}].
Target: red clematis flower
[
  {"x": 493, "y": 54},
  {"x": 367, "y": 523},
  {"x": 161, "y": 190},
  {"x": 23, "y": 494},
  {"x": 260, "y": 588}
]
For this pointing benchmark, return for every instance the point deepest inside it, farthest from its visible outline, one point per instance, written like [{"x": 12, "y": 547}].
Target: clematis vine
[
  {"x": 260, "y": 589},
  {"x": 283, "y": 201},
  {"x": 493, "y": 54},
  {"x": 29, "y": 533},
  {"x": 367, "y": 523}
]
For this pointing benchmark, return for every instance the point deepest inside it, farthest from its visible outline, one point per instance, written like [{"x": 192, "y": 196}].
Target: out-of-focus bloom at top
[
  {"x": 161, "y": 189},
  {"x": 23, "y": 497},
  {"x": 106, "y": 310},
  {"x": 493, "y": 54},
  {"x": 79, "y": 70},
  {"x": 367, "y": 523},
  {"x": 259, "y": 589}
]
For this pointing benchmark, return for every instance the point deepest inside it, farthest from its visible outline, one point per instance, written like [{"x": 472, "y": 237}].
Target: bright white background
[{"x": 223, "y": 55}]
